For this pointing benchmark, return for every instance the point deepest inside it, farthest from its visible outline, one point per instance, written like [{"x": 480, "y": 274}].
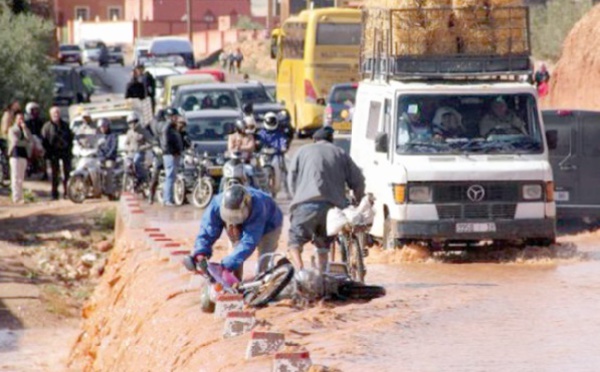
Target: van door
[
  {"x": 589, "y": 161},
  {"x": 565, "y": 158}
]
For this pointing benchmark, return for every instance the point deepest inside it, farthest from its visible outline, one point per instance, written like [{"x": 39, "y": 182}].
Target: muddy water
[{"x": 531, "y": 313}]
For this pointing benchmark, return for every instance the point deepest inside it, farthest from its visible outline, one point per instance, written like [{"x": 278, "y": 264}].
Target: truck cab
[{"x": 454, "y": 150}]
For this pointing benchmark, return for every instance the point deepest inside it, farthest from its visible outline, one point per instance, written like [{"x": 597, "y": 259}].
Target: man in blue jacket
[{"x": 251, "y": 219}]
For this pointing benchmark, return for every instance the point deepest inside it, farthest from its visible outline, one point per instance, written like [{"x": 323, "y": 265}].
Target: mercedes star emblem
[{"x": 476, "y": 193}]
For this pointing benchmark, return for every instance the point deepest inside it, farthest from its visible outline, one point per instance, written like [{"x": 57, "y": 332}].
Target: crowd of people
[{"x": 231, "y": 61}]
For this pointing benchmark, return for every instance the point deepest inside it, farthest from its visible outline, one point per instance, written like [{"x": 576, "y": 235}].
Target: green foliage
[
  {"x": 551, "y": 23},
  {"x": 25, "y": 42},
  {"x": 246, "y": 23},
  {"x": 106, "y": 221}
]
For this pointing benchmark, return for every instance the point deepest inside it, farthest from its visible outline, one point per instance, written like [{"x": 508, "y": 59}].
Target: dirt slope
[{"x": 576, "y": 80}]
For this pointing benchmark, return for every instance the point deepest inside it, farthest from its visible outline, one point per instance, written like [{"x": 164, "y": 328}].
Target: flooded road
[{"x": 533, "y": 313}]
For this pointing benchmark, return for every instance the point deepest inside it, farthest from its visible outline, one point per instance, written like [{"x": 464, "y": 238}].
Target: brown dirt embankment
[{"x": 576, "y": 80}]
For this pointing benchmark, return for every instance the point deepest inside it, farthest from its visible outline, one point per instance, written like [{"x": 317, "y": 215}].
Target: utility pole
[
  {"x": 140, "y": 18},
  {"x": 188, "y": 12}
]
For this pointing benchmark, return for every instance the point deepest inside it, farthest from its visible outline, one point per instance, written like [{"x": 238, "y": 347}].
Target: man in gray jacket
[
  {"x": 138, "y": 141},
  {"x": 317, "y": 178}
]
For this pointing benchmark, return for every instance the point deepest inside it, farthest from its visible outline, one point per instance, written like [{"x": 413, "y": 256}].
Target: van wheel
[
  {"x": 541, "y": 242},
  {"x": 389, "y": 235}
]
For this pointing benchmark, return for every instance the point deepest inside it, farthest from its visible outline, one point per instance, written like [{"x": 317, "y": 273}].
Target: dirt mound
[{"x": 577, "y": 75}]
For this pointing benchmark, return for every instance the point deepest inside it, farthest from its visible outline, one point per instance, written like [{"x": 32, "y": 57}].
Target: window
[
  {"x": 82, "y": 12},
  {"x": 373, "y": 121},
  {"x": 114, "y": 12},
  {"x": 293, "y": 41},
  {"x": 564, "y": 126},
  {"x": 591, "y": 135},
  {"x": 339, "y": 33}
]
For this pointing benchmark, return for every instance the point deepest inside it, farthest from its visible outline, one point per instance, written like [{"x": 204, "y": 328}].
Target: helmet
[
  {"x": 271, "y": 122},
  {"x": 30, "y": 107},
  {"x": 133, "y": 118},
  {"x": 240, "y": 125},
  {"x": 248, "y": 108},
  {"x": 170, "y": 112},
  {"x": 235, "y": 205},
  {"x": 250, "y": 124},
  {"x": 103, "y": 123}
]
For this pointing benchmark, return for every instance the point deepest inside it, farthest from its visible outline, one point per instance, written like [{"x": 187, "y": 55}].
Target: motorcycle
[
  {"x": 91, "y": 179},
  {"x": 195, "y": 179},
  {"x": 130, "y": 178},
  {"x": 272, "y": 162},
  {"x": 257, "y": 292},
  {"x": 234, "y": 172}
]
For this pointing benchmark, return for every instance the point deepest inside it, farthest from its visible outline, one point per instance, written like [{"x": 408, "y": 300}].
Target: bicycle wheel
[
  {"x": 279, "y": 277},
  {"x": 359, "y": 291},
  {"x": 356, "y": 263}
]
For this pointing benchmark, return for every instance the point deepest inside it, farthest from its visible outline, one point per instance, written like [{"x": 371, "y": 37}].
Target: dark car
[
  {"x": 339, "y": 104},
  {"x": 207, "y": 129},
  {"x": 68, "y": 86},
  {"x": 262, "y": 102},
  {"x": 574, "y": 161},
  {"x": 271, "y": 89},
  {"x": 69, "y": 53},
  {"x": 115, "y": 55},
  {"x": 207, "y": 97}
]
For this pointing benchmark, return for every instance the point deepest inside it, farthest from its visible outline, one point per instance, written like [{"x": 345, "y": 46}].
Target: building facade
[{"x": 88, "y": 10}]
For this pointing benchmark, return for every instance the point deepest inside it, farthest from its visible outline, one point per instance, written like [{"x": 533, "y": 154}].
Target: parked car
[
  {"x": 160, "y": 74},
  {"x": 207, "y": 97},
  {"x": 173, "y": 83},
  {"x": 218, "y": 74},
  {"x": 575, "y": 162},
  {"x": 256, "y": 94},
  {"x": 207, "y": 130},
  {"x": 140, "y": 50},
  {"x": 68, "y": 86},
  {"x": 339, "y": 106},
  {"x": 271, "y": 89},
  {"x": 69, "y": 53},
  {"x": 90, "y": 50},
  {"x": 115, "y": 55}
]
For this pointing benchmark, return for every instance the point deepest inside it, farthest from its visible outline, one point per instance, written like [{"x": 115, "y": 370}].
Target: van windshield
[{"x": 468, "y": 124}]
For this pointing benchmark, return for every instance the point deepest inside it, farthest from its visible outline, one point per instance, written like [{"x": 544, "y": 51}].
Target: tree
[
  {"x": 246, "y": 23},
  {"x": 19, "y": 6},
  {"x": 24, "y": 63}
]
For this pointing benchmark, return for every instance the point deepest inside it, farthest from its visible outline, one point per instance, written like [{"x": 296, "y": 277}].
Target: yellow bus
[{"x": 315, "y": 50}]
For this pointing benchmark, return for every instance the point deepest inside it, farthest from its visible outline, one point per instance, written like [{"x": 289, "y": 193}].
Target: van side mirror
[
  {"x": 229, "y": 128},
  {"x": 382, "y": 143},
  {"x": 552, "y": 139}
]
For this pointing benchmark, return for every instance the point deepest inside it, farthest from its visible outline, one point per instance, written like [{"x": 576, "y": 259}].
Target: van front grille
[{"x": 484, "y": 211}]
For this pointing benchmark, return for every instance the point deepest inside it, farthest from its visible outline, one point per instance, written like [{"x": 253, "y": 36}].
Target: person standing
[
  {"x": 34, "y": 123},
  {"x": 57, "y": 140},
  {"x": 542, "y": 75},
  {"x": 137, "y": 142},
  {"x": 88, "y": 84},
  {"x": 149, "y": 84},
  {"x": 238, "y": 57},
  {"x": 8, "y": 117},
  {"x": 317, "y": 178},
  {"x": 135, "y": 87},
  {"x": 19, "y": 149},
  {"x": 172, "y": 146}
]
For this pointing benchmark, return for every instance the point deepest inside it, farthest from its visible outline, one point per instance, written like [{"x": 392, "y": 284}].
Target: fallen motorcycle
[{"x": 256, "y": 292}]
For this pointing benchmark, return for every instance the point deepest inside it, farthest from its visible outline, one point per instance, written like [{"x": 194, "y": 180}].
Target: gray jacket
[
  {"x": 320, "y": 172},
  {"x": 138, "y": 139},
  {"x": 18, "y": 138}
]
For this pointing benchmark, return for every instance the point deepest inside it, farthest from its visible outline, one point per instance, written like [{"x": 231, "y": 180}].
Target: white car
[{"x": 90, "y": 51}]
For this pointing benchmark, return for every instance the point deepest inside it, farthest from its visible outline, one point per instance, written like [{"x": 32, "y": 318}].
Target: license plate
[
  {"x": 215, "y": 172},
  {"x": 475, "y": 227},
  {"x": 342, "y": 126},
  {"x": 561, "y": 196}
]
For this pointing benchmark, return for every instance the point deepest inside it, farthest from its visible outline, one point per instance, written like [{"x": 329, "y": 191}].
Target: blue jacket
[
  {"x": 264, "y": 218},
  {"x": 108, "y": 148},
  {"x": 277, "y": 139}
]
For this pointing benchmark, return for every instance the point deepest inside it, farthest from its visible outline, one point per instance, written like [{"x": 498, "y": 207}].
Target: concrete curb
[
  {"x": 264, "y": 343},
  {"x": 298, "y": 361},
  {"x": 237, "y": 323},
  {"x": 227, "y": 303}
]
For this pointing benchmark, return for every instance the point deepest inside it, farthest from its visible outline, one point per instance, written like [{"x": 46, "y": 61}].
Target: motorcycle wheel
[
  {"x": 128, "y": 183},
  {"x": 77, "y": 189},
  {"x": 279, "y": 277},
  {"x": 270, "y": 181},
  {"x": 159, "y": 191},
  {"x": 202, "y": 193},
  {"x": 179, "y": 191},
  {"x": 359, "y": 291}
]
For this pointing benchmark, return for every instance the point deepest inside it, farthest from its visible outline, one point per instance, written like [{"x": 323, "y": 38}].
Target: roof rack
[{"x": 446, "y": 43}]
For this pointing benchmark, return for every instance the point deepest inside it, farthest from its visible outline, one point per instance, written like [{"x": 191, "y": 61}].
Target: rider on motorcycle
[
  {"x": 138, "y": 141},
  {"x": 251, "y": 220},
  {"x": 271, "y": 135},
  {"x": 87, "y": 133},
  {"x": 107, "y": 151},
  {"x": 243, "y": 139}
]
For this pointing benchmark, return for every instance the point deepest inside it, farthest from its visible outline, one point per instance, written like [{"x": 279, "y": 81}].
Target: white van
[
  {"x": 172, "y": 46},
  {"x": 442, "y": 172}
]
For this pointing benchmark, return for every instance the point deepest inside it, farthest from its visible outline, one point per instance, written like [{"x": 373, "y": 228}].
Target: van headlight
[
  {"x": 420, "y": 194},
  {"x": 532, "y": 192}
]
